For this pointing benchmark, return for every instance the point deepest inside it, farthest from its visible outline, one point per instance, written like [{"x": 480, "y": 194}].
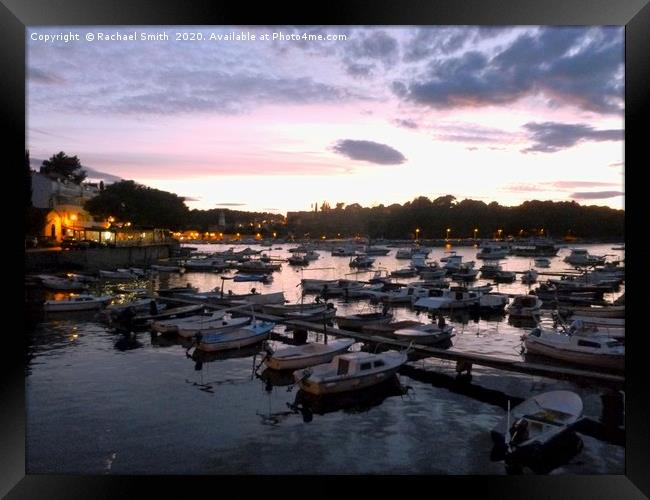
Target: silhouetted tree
[{"x": 65, "y": 167}]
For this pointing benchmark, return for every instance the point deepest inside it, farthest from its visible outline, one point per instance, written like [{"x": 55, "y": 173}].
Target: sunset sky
[{"x": 493, "y": 114}]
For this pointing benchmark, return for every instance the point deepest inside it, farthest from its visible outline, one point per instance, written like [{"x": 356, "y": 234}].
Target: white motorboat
[
  {"x": 191, "y": 329},
  {"x": 425, "y": 334},
  {"x": 83, "y": 302},
  {"x": 235, "y": 339},
  {"x": 172, "y": 325},
  {"x": 595, "y": 351},
  {"x": 302, "y": 356},
  {"x": 492, "y": 252},
  {"x": 524, "y": 306},
  {"x": 537, "y": 422},
  {"x": 447, "y": 299},
  {"x": 349, "y": 372},
  {"x": 581, "y": 257}
]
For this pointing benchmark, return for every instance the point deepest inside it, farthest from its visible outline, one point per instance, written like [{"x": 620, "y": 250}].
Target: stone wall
[{"x": 93, "y": 259}]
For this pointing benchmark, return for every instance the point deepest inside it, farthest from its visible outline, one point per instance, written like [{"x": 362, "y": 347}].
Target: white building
[{"x": 48, "y": 192}]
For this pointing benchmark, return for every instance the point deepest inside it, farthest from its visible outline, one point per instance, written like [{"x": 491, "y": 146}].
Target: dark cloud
[
  {"x": 406, "y": 123},
  {"x": 429, "y": 42},
  {"x": 596, "y": 195},
  {"x": 372, "y": 152},
  {"x": 376, "y": 45},
  {"x": 190, "y": 198},
  {"x": 230, "y": 204},
  {"x": 129, "y": 78},
  {"x": 575, "y": 66},
  {"x": 549, "y": 137}
]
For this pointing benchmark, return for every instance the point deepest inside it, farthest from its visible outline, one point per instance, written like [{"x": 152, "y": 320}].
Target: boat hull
[
  {"x": 608, "y": 361},
  {"x": 351, "y": 384}
]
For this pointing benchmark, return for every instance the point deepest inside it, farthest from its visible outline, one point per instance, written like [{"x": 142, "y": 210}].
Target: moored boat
[
  {"x": 302, "y": 356},
  {"x": 349, "y": 372},
  {"x": 426, "y": 334},
  {"x": 537, "y": 422},
  {"x": 235, "y": 339},
  {"x": 82, "y": 302},
  {"x": 595, "y": 352},
  {"x": 524, "y": 306}
]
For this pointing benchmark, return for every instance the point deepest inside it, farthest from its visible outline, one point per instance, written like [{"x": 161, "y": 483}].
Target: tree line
[{"x": 421, "y": 218}]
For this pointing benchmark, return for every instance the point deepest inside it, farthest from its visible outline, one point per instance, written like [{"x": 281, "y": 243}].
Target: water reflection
[
  {"x": 200, "y": 357},
  {"x": 276, "y": 378},
  {"x": 360, "y": 401},
  {"x": 127, "y": 341}
]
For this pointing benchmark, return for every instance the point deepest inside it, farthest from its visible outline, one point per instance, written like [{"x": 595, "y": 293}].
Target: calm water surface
[{"x": 99, "y": 402}]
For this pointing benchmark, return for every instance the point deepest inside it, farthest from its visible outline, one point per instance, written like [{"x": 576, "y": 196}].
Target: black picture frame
[{"x": 633, "y": 14}]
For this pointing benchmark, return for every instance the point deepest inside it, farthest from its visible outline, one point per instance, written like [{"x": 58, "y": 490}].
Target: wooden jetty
[{"x": 464, "y": 361}]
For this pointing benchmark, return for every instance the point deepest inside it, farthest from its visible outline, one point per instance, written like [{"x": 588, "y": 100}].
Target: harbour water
[{"x": 101, "y": 402}]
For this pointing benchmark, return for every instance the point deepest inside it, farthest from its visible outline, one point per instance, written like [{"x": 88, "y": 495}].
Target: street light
[
  {"x": 448, "y": 231},
  {"x": 417, "y": 234},
  {"x": 475, "y": 232},
  {"x": 500, "y": 231}
]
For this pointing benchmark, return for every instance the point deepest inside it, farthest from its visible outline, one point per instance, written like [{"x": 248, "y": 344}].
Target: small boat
[
  {"x": 349, "y": 372},
  {"x": 529, "y": 277},
  {"x": 120, "y": 274},
  {"x": 177, "y": 289},
  {"x": 542, "y": 262},
  {"x": 165, "y": 269},
  {"x": 492, "y": 252},
  {"x": 192, "y": 328},
  {"x": 581, "y": 257},
  {"x": 595, "y": 351},
  {"x": 524, "y": 306},
  {"x": 195, "y": 322},
  {"x": 425, "y": 334},
  {"x": 356, "y": 321},
  {"x": 264, "y": 278},
  {"x": 284, "y": 309},
  {"x": 234, "y": 339},
  {"x": 302, "y": 356},
  {"x": 596, "y": 311},
  {"x": 537, "y": 422},
  {"x": 504, "y": 277},
  {"x": 407, "y": 272},
  {"x": 458, "y": 298},
  {"x": 298, "y": 259},
  {"x": 361, "y": 261},
  {"x": 205, "y": 265},
  {"x": 83, "y": 302},
  {"x": 174, "y": 312}
]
